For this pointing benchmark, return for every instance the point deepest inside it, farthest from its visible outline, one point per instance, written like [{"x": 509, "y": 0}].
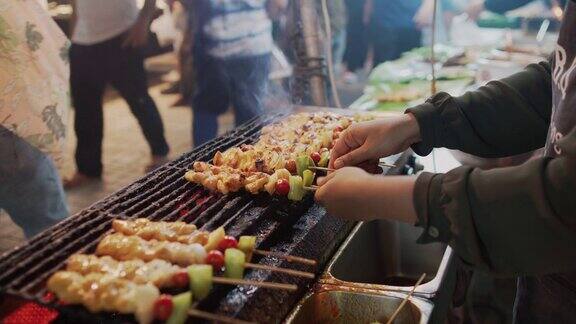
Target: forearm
[{"x": 398, "y": 202}]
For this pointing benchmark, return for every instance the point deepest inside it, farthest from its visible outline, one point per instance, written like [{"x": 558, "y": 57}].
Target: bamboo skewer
[
  {"x": 296, "y": 273},
  {"x": 215, "y": 317},
  {"x": 263, "y": 284},
  {"x": 397, "y": 311},
  {"x": 287, "y": 257},
  {"x": 381, "y": 164}
]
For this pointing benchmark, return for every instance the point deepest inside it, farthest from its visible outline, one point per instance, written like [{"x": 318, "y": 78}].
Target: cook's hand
[
  {"x": 353, "y": 194},
  {"x": 137, "y": 35},
  {"x": 369, "y": 141},
  {"x": 343, "y": 193}
]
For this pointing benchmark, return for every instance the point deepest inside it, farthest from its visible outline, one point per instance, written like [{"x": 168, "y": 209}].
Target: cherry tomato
[
  {"x": 291, "y": 166},
  {"x": 163, "y": 307},
  {"x": 227, "y": 242},
  {"x": 282, "y": 187},
  {"x": 181, "y": 279},
  {"x": 316, "y": 157},
  {"x": 215, "y": 258}
]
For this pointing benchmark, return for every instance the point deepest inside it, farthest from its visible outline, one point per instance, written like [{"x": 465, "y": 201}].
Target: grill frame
[{"x": 301, "y": 228}]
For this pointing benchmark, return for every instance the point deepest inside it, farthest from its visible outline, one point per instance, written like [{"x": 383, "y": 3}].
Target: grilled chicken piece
[
  {"x": 161, "y": 231},
  {"x": 122, "y": 247},
  {"x": 255, "y": 183},
  {"x": 105, "y": 293},
  {"x": 148, "y": 230},
  {"x": 156, "y": 272},
  {"x": 225, "y": 179}
]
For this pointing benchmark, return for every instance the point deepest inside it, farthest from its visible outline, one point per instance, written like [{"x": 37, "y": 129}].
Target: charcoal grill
[{"x": 301, "y": 228}]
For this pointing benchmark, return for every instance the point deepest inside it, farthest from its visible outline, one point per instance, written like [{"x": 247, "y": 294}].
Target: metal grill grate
[{"x": 165, "y": 195}]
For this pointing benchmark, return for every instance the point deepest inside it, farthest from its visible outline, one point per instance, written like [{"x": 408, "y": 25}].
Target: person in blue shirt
[
  {"x": 393, "y": 30},
  {"x": 232, "y": 48}
]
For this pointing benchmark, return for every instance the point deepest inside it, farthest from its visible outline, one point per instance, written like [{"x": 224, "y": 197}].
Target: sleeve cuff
[
  {"x": 427, "y": 201},
  {"x": 429, "y": 118},
  {"x": 424, "y": 115}
]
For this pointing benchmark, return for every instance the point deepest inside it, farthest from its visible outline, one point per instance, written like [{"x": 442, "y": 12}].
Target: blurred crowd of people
[{"x": 224, "y": 52}]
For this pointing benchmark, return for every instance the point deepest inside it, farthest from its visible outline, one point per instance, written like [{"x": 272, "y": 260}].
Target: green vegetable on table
[
  {"x": 181, "y": 304},
  {"x": 201, "y": 279},
  {"x": 234, "y": 261},
  {"x": 296, "y": 188}
]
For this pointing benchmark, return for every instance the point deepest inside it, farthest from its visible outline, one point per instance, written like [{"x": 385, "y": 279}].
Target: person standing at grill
[
  {"x": 232, "y": 49},
  {"x": 514, "y": 221},
  {"x": 392, "y": 28},
  {"x": 356, "y": 39},
  {"x": 33, "y": 108},
  {"x": 107, "y": 38}
]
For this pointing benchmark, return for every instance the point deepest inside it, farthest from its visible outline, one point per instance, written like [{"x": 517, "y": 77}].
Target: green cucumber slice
[
  {"x": 296, "y": 188},
  {"x": 301, "y": 164},
  {"x": 308, "y": 178},
  {"x": 214, "y": 239},
  {"x": 181, "y": 304},
  {"x": 201, "y": 279},
  {"x": 247, "y": 244},
  {"x": 234, "y": 261},
  {"x": 324, "y": 159}
]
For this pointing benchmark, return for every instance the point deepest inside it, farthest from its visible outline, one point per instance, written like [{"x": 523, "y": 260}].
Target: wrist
[
  {"x": 394, "y": 195},
  {"x": 412, "y": 127}
]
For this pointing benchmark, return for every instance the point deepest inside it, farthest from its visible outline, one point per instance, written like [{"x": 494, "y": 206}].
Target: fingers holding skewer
[{"x": 380, "y": 164}]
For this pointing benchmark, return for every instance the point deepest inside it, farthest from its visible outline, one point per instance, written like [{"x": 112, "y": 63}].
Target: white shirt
[{"x": 101, "y": 20}]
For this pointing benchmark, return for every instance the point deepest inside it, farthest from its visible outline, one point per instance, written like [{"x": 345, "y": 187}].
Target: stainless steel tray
[
  {"x": 370, "y": 274},
  {"x": 336, "y": 306},
  {"x": 384, "y": 255}
]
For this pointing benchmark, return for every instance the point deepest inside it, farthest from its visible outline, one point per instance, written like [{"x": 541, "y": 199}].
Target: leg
[
  {"x": 410, "y": 39},
  {"x": 338, "y": 48},
  {"x": 211, "y": 97},
  {"x": 249, "y": 86},
  {"x": 204, "y": 126},
  {"x": 30, "y": 187},
  {"x": 128, "y": 76},
  {"x": 385, "y": 44},
  {"x": 87, "y": 88},
  {"x": 356, "y": 40}
]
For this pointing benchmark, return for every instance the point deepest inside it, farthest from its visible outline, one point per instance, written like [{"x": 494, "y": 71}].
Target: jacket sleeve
[
  {"x": 503, "y": 118},
  {"x": 509, "y": 221}
]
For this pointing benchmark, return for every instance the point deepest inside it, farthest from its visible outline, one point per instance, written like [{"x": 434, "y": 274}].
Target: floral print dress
[{"x": 34, "y": 71}]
